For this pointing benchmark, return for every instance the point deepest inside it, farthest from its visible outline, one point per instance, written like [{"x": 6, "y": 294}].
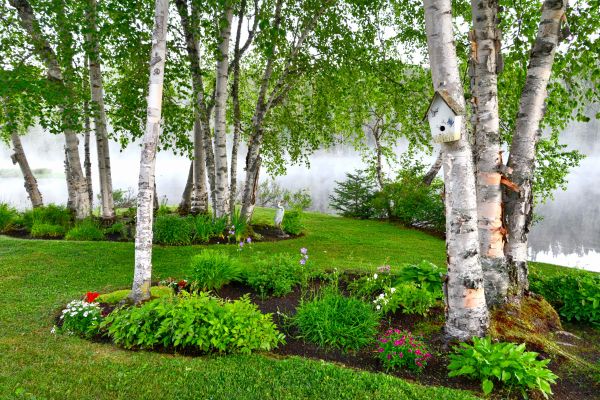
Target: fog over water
[{"x": 569, "y": 233}]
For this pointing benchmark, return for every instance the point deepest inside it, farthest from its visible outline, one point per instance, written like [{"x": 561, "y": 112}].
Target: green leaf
[{"x": 487, "y": 386}]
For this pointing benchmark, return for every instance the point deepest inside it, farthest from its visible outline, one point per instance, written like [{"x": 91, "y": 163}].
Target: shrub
[
  {"x": 400, "y": 349},
  {"x": 410, "y": 298},
  {"x": 414, "y": 203},
  {"x": 42, "y": 230},
  {"x": 8, "y": 215},
  {"x": 118, "y": 228},
  {"x": 270, "y": 193},
  {"x": 276, "y": 275},
  {"x": 50, "y": 215},
  {"x": 85, "y": 230},
  {"x": 119, "y": 295},
  {"x": 212, "y": 269},
  {"x": 292, "y": 222},
  {"x": 123, "y": 198},
  {"x": 503, "y": 362},
  {"x": 575, "y": 295},
  {"x": 330, "y": 319},
  {"x": 353, "y": 197},
  {"x": 201, "y": 322},
  {"x": 204, "y": 228},
  {"x": 173, "y": 230},
  {"x": 425, "y": 274},
  {"x": 239, "y": 226},
  {"x": 368, "y": 285},
  {"x": 81, "y": 318}
]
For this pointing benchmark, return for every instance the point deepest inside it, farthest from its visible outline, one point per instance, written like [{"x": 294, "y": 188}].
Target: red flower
[
  {"x": 182, "y": 283},
  {"x": 91, "y": 296}
]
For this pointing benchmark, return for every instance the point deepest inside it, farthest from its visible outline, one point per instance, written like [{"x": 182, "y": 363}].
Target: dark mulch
[{"x": 573, "y": 384}]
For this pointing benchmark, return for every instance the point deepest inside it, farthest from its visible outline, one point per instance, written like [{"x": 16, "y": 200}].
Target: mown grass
[{"x": 38, "y": 277}]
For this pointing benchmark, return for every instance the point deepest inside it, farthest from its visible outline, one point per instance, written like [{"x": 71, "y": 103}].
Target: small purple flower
[
  {"x": 303, "y": 261},
  {"x": 303, "y": 250},
  {"x": 305, "y": 256},
  {"x": 241, "y": 244},
  {"x": 380, "y": 349},
  {"x": 249, "y": 240}
]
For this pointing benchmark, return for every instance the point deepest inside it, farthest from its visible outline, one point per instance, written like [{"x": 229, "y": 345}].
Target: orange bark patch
[
  {"x": 489, "y": 178},
  {"x": 510, "y": 184},
  {"x": 474, "y": 298}
]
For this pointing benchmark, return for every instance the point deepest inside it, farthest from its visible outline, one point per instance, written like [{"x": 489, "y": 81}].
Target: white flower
[
  {"x": 374, "y": 276},
  {"x": 378, "y": 307},
  {"x": 392, "y": 290},
  {"x": 73, "y": 314},
  {"x": 85, "y": 314},
  {"x": 53, "y": 330}
]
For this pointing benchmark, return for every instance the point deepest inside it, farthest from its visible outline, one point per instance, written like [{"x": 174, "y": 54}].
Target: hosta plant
[{"x": 505, "y": 363}]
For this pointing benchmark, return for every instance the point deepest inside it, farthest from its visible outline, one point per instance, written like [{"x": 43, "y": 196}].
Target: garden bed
[{"x": 573, "y": 384}]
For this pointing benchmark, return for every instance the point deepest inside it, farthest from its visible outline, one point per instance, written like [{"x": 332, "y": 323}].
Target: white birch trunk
[
  {"x": 466, "y": 310},
  {"x": 87, "y": 162},
  {"x": 97, "y": 90},
  {"x": 186, "y": 198},
  {"x": 143, "y": 237},
  {"x": 221, "y": 175},
  {"x": 433, "y": 170},
  {"x": 76, "y": 183},
  {"x": 31, "y": 185},
  {"x": 519, "y": 204},
  {"x": 485, "y": 49}
]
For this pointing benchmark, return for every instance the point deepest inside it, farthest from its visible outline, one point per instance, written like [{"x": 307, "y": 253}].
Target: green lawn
[{"x": 38, "y": 277}]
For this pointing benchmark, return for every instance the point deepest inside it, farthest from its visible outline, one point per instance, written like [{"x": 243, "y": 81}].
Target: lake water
[{"x": 568, "y": 234}]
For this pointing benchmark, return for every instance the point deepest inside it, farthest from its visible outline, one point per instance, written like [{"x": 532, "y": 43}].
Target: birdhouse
[{"x": 445, "y": 118}]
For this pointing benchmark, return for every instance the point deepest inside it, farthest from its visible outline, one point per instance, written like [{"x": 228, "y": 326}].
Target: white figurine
[{"x": 279, "y": 215}]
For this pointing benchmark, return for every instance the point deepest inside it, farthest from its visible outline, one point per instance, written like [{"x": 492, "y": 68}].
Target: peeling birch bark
[
  {"x": 142, "y": 277},
  {"x": 107, "y": 206},
  {"x": 519, "y": 204},
  {"x": 221, "y": 165},
  {"x": 31, "y": 185},
  {"x": 485, "y": 45},
  {"x": 466, "y": 310}
]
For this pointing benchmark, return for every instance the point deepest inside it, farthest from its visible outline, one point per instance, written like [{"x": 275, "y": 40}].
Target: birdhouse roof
[{"x": 448, "y": 99}]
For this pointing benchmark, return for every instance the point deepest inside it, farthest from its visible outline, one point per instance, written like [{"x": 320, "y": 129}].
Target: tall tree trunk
[
  {"x": 202, "y": 157},
  {"x": 31, "y": 185},
  {"x": 87, "y": 162},
  {"x": 142, "y": 277},
  {"x": 378, "y": 156},
  {"x": 76, "y": 184},
  {"x": 519, "y": 203},
  {"x": 434, "y": 169},
  {"x": 485, "y": 54},
  {"x": 221, "y": 175},
  {"x": 186, "y": 198},
  {"x": 466, "y": 310},
  {"x": 97, "y": 89}
]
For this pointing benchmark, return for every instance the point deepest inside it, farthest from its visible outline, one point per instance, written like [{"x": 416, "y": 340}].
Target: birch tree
[
  {"x": 466, "y": 310},
  {"x": 143, "y": 238},
  {"x": 107, "y": 207}
]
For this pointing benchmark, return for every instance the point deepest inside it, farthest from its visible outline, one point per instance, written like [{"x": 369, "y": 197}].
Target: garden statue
[{"x": 279, "y": 217}]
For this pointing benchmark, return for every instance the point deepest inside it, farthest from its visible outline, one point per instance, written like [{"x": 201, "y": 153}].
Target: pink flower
[
  {"x": 401, "y": 355},
  {"x": 383, "y": 340},
  {"x": 389, "y": 356},
  {"x": 380, "y": 349},
  {"x": 418, "y": 352},
  {"x": 397, "y": 342}
]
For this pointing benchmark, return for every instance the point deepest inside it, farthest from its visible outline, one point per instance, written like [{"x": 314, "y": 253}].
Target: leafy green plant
[
  {"x": 366, "y": 286},
  {"x": 276, "y": 275},
  {"x": 197, "y": 321},
  {"x": 80, "y": 318},
  {"x": 123, "y": 198},
  {"x": 400, "y": 349},
  {"x": 50, "y": 215},
  {"x": 506, "y": 363},
  {"x": 173, "y": 230},
  {"x": 425, "y": 274},
  {"x": 118, "y": 295},
  {"x": 8, "y": 215},
  {"x": 43, "y": 230},
  {"x": 212, "y": 269},
  {"x": 292, "y": 222},
  {"x": 576, "y": 295},
  {"x": 85, "y": 230},
  {"x": 353, "y": 197},
  {"x": 333, "y": 320},
  {"x": 238, "y": 225},
  {"x": 408, "y": 297}
]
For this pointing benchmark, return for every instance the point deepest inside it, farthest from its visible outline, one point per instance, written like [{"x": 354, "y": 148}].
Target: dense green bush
[
  {"x": 333, "y": 320},
  {"x": 576, "y": 295},
  {"x": 85, "y": 230},
  {"x": 43, "y": 230},
  {"x": 502, "y": 362},
  {"x": 205, "y": 227},
  {"x": 353, "y": 197},
  {"x": 292, "y": 222},
  {"x": 50, "y": 215},
  {"x": 198, "y": 321},
  {"x": 276, "y": 275},
  {"x": 412, "y": 202},
  {"x": 8, "y": 215},
  {"x": 407, "y": 297},
  {"x": 425, "y": 274},
  {"x": 212, "y": 269},
  {"x": 173, "y": 230}
]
